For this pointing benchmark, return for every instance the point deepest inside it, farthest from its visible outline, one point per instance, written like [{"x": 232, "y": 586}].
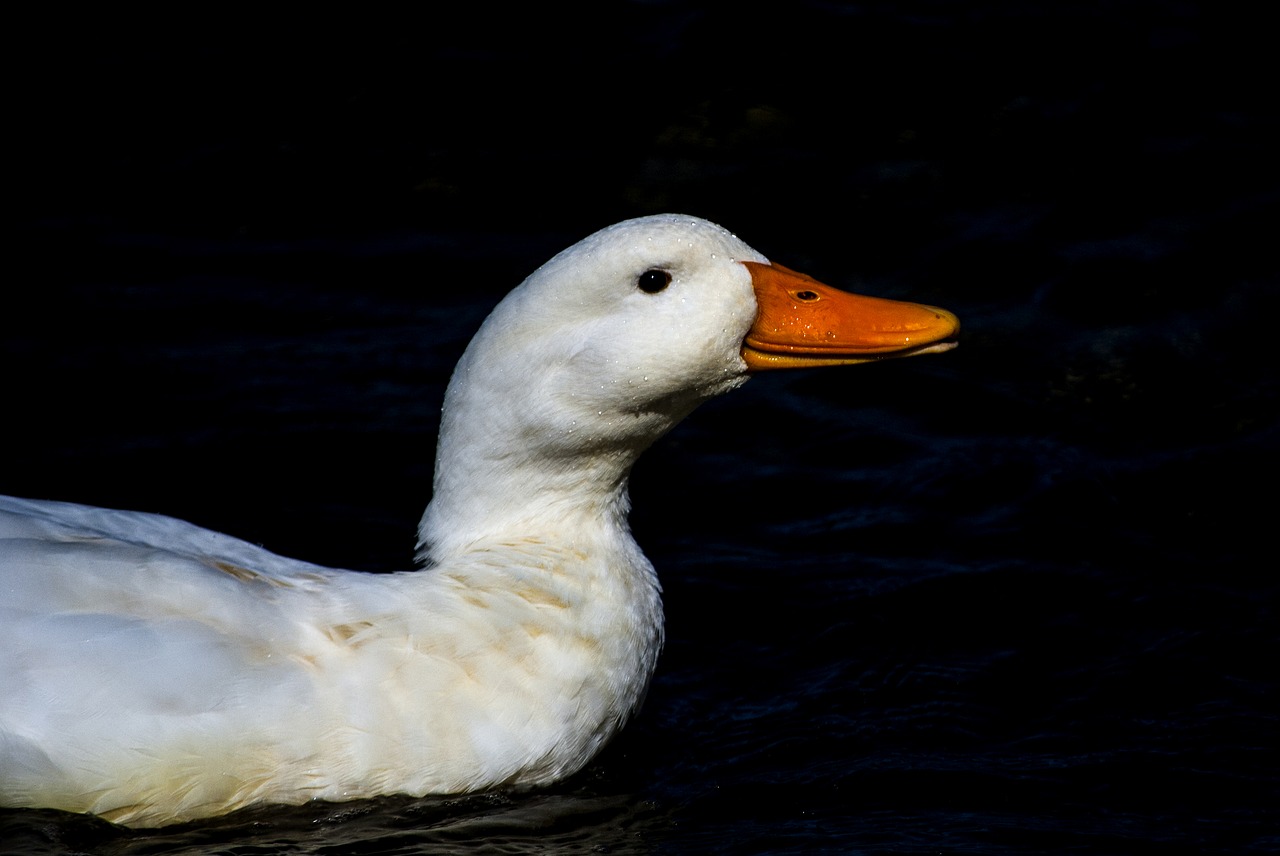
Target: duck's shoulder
[{"x": 551, "y": 593}]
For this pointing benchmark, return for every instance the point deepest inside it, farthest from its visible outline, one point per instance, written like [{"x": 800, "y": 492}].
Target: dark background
[{"x": 1016, "y": 598}]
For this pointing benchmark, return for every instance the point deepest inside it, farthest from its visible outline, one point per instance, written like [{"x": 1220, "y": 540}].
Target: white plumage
[{"x": 153, "y": 671}]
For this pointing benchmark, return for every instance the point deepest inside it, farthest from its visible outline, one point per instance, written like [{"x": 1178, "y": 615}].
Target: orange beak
[{"x": 801, "y": 322}]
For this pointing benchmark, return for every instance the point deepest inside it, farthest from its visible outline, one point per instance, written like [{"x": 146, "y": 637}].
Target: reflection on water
[{"x": 567, "y": 822}]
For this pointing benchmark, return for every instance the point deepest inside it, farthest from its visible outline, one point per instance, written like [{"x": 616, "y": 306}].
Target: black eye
[{"x": 653, "y": 281}]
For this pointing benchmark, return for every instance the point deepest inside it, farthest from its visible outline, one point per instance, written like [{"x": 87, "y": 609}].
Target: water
[{"x": 1017, "y": 598}]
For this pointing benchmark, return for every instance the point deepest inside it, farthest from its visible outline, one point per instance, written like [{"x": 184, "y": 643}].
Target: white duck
[{"x": 155, "y": 672}]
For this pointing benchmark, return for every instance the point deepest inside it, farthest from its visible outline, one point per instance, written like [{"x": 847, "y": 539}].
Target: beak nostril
[{"x": 806, "y": 296}]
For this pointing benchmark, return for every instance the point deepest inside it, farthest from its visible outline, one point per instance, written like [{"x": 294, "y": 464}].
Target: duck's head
[
  {"x": 617, "y": 338},
  {"x": 665, "y": 311}
]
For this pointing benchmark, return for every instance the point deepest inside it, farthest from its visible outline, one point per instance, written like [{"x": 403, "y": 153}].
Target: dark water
[{"x": 1017, "y": 598}]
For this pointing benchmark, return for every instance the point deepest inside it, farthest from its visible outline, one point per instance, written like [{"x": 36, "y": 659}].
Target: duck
[{"x": 154, "y": 672}]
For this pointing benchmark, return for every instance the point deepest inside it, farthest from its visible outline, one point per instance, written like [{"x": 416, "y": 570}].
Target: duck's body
[
  {"x": 152, "y": 671},
  {"x": 183, "y": 674}
]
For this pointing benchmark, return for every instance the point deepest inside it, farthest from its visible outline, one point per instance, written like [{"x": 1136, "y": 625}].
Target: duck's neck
[
  {"x": 504, "y": 472},
  {"x": 534, "y": 443},
  {"x": 480, "y": 499}
]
